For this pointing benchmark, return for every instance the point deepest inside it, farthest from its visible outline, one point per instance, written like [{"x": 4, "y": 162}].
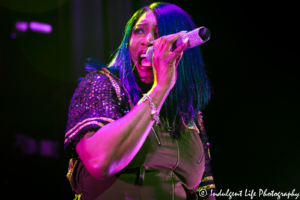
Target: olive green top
[{"x": 164, "y": 168}]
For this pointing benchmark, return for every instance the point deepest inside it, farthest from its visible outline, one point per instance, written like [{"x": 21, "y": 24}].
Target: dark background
[{"x": 251, "y": 59}]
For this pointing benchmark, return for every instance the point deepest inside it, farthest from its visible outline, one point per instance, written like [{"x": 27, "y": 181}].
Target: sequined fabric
[{"x": 98, "y": 100}]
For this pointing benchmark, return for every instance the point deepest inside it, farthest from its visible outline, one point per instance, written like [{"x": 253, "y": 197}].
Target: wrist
[
  {"x": 158, "y": 95},
  {"x": 154, "y": 111},
  {"x": 161, "y": 88}
]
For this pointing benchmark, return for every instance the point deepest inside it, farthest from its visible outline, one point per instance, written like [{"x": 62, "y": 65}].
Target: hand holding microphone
[{"x": 196, "y": 37}]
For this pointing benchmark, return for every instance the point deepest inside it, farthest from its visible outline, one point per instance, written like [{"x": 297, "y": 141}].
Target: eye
[{"x": 138, "y": 31}]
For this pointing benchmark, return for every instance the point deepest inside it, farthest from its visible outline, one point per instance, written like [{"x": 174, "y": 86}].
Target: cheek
[
  {"x": 130, "y": 43},
  {"x": 134, "y": 42}
]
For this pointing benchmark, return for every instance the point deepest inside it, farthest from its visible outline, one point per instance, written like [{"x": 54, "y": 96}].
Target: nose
[{"x": 149, "y": 39}]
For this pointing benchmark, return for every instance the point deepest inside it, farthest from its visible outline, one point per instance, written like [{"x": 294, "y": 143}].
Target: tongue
[{"x": 145, "y": 62}]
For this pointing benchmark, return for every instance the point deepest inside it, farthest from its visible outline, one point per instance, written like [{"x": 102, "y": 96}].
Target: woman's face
[{"x": 142, "y": 36}]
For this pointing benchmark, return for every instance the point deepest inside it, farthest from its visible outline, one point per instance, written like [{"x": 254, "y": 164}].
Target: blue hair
[
  {"x": 122, "y": 59},
  {"x": 192, "y": 90}
]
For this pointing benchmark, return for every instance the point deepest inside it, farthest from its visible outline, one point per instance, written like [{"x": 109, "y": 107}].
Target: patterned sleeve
[
  {"x": 207, "y": 182},
  {"x": 99, "y": 99}
]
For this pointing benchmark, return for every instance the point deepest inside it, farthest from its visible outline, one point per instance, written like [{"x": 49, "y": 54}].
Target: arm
[{"x": 111, "y": 148}]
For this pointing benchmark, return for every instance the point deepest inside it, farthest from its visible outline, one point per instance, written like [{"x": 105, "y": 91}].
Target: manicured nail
[
  {"x": 183, "y": 32},
  {"x": 185, "y": 40}
]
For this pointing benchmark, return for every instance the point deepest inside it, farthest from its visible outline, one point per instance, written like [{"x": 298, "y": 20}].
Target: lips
[
  {"x": 139, "y": 55},
  {"x": 144, "y": 64}
]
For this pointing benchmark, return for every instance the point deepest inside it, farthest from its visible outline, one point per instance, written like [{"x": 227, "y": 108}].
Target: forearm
[{"x": 113, "y": 146}]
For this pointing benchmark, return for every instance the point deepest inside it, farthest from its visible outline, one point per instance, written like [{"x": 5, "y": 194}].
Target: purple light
[
  {"x": 13, "y": 35},
  {"x": 40, "y": 27},
  {"x": 22, "y": 26},
  {"x": 26, "y": 145},
  {"x": 49, "y": 148}
]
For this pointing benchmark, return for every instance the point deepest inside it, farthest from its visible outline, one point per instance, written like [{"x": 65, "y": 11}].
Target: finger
[
  {"x": 172, "y": 38},
  {"x": 156, "y": 44},
  {"x": 179, "y": 49},
  {"x": 178, "y": 60},
  {"x": 169, "y": 38}
]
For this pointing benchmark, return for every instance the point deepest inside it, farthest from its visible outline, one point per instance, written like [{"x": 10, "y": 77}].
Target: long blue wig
[{"x": 192, "y": 90}]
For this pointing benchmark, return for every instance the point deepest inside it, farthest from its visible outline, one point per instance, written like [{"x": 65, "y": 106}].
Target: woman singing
[{"x": 135, "y": 129}]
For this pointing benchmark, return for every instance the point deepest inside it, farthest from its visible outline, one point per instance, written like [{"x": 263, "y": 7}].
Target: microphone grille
[
  {"x": 204, "y": 34},
  {"x": 149, "y": 54}
]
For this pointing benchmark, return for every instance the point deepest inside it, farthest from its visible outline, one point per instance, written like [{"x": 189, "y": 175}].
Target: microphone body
[{"x": 196, "y": 37}]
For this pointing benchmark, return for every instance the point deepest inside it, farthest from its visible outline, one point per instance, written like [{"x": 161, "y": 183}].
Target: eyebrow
[{"x": 142, "y": 24}]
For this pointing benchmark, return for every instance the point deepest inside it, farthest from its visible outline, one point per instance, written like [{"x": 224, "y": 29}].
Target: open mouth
[
  {"x": 142, "y": 60},
  {"x": 141, "y": 56}
]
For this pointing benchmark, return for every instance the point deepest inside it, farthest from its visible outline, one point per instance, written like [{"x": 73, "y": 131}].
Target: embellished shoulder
[{"x": 98, "y": 100}]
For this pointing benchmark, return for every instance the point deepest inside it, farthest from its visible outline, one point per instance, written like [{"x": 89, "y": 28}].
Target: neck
[{"x": 143, "y": 87}]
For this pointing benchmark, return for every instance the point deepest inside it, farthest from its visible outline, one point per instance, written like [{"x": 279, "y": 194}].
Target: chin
[
  {"x": 147, "y": 81},
  {"x": 146, "y": 77},
  {"x": 145, "y": 85}
]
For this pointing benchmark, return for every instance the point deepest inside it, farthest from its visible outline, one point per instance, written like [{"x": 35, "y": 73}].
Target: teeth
[{"x": 143, "y": 55}]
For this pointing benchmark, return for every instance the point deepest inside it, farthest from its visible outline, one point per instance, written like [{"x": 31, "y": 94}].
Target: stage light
[
  {"x": 40, "y": 27},
  {"x": 33, "y": 26},
  {"x": 49, "y": 148},
  {"x": 30, "y": 146},
  {"x": 13, "y": 35},
  {"x": 21, "y": 26}
]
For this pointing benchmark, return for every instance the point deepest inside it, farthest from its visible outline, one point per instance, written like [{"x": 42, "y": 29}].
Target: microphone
[{"x": 196, "y": 37}]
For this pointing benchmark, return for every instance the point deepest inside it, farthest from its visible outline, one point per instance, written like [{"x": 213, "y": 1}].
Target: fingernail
[
  {"x": 183, "y": 32},
  {"x": 185, "y": 40}
]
